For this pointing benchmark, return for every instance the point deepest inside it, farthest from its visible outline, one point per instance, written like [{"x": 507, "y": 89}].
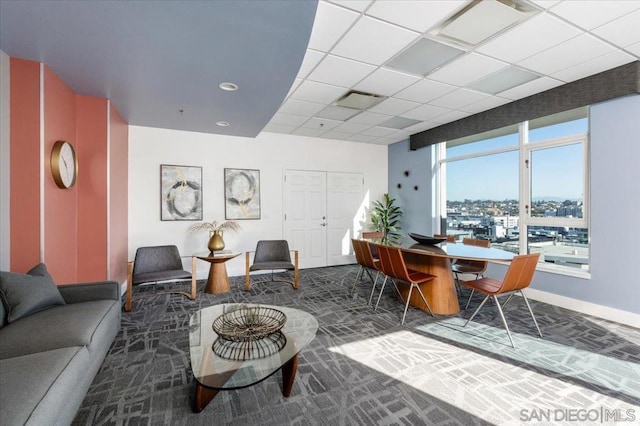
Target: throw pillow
[{"x": 25, "y": 294}]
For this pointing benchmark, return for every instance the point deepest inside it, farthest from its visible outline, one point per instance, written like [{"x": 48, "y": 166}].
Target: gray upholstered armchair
[
  {"x": 155, "y": 264},
  {"x": 272, "y": 255}
]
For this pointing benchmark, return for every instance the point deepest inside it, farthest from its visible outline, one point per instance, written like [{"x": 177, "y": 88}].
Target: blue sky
[{"x": 556, "y": 172}]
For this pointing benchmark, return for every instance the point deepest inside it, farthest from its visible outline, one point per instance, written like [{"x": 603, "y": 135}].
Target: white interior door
[
  {"x": 345, "y": 214},
  {"x": 305, "y": 224}
]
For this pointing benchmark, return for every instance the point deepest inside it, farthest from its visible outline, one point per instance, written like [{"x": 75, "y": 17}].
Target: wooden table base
[
  {"x": 440, "y": 292},
  {"x": 203, "y": 395}
]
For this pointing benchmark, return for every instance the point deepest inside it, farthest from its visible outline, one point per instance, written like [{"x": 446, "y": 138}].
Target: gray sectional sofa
[{"x": 53, "y": 340}]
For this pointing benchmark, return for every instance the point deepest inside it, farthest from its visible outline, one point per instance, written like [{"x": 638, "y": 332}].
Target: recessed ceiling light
[
  {"x": 502, "y": 80},
  {"x": 399, "y": 122},
  {"x": 424, "y": 56},
  {"x": 229, "y": 87},
  {"x": 222, "y": 123}
]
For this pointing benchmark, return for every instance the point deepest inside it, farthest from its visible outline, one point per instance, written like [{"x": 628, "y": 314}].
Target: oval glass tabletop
[{"x": 214, "y": 371}]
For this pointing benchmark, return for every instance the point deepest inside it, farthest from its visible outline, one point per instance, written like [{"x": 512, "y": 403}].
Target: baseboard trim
[{"x": 605, "y": 312}]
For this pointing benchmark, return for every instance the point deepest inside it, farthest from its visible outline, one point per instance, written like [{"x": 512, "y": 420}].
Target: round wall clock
[{"x": 64, "y": 164}]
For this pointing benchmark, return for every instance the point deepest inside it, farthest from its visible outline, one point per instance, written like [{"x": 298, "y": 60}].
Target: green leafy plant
[{"x": 385, "y": 217}]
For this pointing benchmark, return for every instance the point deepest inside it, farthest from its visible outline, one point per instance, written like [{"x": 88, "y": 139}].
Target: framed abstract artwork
[
  {"x": 241, "y": 194},
  {"x": 180, "y": 192}
]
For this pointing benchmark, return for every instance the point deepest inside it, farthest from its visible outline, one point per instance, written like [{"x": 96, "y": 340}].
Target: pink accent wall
[
  {"x": 25, "y": 164},
  {"x": 78, "y": 241},
  {"x": 60, "y": 205},
  {"x": 91, "y": 128},
  {"x": 119, "y": 188}
]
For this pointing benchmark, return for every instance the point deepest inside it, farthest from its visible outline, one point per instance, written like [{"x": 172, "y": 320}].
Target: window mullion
[{"x": 524, "y": 196}]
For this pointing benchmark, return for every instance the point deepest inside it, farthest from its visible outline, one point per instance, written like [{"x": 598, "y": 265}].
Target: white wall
[
  {"x": 270, "y": 153},
  {"x": 4, "y": 162}
]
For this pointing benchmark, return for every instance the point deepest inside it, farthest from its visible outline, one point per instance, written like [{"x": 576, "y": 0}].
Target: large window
[{"x": 525, "y": 190}]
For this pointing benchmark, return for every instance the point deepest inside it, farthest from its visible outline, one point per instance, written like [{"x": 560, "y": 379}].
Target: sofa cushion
[
  {"x": 25, "y": 294},
  {"x": 3, "y": 314},
  {"x": 41, "y": 388},
  {"x": 76, "y": 324}
]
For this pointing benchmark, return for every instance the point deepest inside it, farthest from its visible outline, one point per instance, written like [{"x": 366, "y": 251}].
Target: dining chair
[
  {"x": 476, "y": 267},
  {"x": 372, "y": 234},
  {"x": 393, "y": 266},
  {"x": 517, "y": 278},
  {"x": 367, "y": 263},
  {"x": 449, "y": 238}
]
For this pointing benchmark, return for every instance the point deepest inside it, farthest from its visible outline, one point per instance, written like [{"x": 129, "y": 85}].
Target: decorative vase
[{"x": 216, "y": 242}]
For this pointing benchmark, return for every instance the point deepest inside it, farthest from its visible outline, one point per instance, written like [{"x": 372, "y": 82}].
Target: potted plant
[
  {"x": 385, "y": 218},
  {"x": 216, "y": 232}
]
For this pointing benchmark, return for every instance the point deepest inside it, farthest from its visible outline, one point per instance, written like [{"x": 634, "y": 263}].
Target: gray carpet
[{"x": 364, "y": 368}]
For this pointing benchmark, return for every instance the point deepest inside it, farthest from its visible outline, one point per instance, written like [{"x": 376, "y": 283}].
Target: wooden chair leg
[
  {"x": 295, "y": 271},
  {"x": 193, "y": 278},
  {"x": 129, "y": 293},
  {"x": 247, "y": 278}
]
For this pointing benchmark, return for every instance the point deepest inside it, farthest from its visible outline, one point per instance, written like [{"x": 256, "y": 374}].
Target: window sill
[{"x": 564, "y": 270}]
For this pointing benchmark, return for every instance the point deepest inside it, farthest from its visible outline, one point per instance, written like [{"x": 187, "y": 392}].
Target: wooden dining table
[{"x": 436, "y": 260}]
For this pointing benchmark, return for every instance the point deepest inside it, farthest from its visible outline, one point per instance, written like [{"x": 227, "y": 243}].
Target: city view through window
[{"x": 525, "y": 204}]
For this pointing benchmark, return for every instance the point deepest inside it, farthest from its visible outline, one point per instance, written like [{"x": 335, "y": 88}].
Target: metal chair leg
[
  {"x": 406, "y": 306},
  {"x": 504, "y": 321},
  {"x": 373, "y": 289},
  {"x": 476, "y": 311},
  {"x": 381, "y": 291},
  {"x": 531, "y": 312},
  {"x": 469, "y": 299},
  {"x": 358, "y": 275},
  {"x": 424, "y": 299}
]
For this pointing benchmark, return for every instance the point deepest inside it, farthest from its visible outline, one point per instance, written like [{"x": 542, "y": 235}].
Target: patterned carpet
[{"x": 364, "y": 368}]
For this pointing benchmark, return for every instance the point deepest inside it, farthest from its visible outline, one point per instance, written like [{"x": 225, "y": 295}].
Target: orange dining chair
[
  {"x": 367, "y": 264},
  {"x": 393, "y": 266},
  {"x": 475, "y": 267},
  {"x": 372, "y": 234},
  {"x": 450, "y": 238},
  {"x": 517, "y": 278}
]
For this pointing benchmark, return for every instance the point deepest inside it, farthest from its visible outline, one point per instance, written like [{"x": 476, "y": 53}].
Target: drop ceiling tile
[
  {"x": 466, "y": 69},
  {"x": 530, "y": 88},
  {"x": 485, "y": 104},
  {"x": 307, "y": 131},
  {"x": 417, "y": 15},
  {"x": 311, "y": 59},
  {"x": 278, "y": 128},
  {"x": 340, "y": 71},
  {"x": 385, "y": 141},
  {"x": 622, "y": 32},
  {"x": 590, "y": 14},
  {"x": 594, "y": 66},
  {"x": 459, "y": 99},
  {"x": 362, "y": 138},
  {"x": 373, "y": 41},
  {"x": 378, "y": 131},
  {"x": 337, "y": 113},
  {"x": 312, "y": 91},
  {"x": 572, "y": 52},
  {"x": 386, "y": 82},
  {"x": 288, "y": 119},
  {"x": 352, "y": 128},
  {"x": 370, "y": 118},
  {"x": 635, "y": 49},
  {"x": 421, "y": 127},
  {"x": 359, "y": 5},
  {"x": 331, "y": 23},
  {"x": 425, "y": 90},
  {"x": 394, "y": 106},
  {"x": 532, "y": 36},
  {"x": 294, "y": 86},
  {"x": 332, "y": 134},
  {"x": 425, "y": 112},
  {"x": 545, "y": 4},
  {"x": 450, "y": 116},
  {"x": 296, "y": 107},
  {"x": 323, "y": 124}
]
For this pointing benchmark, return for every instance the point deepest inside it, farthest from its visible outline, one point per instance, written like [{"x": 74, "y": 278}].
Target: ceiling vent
[
  {"x": 359, "y": 100},
  {"x": 483, "y": 19}
]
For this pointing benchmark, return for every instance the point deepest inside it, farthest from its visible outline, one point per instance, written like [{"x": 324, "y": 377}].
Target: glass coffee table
[{"x": 216, "y": 370}]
